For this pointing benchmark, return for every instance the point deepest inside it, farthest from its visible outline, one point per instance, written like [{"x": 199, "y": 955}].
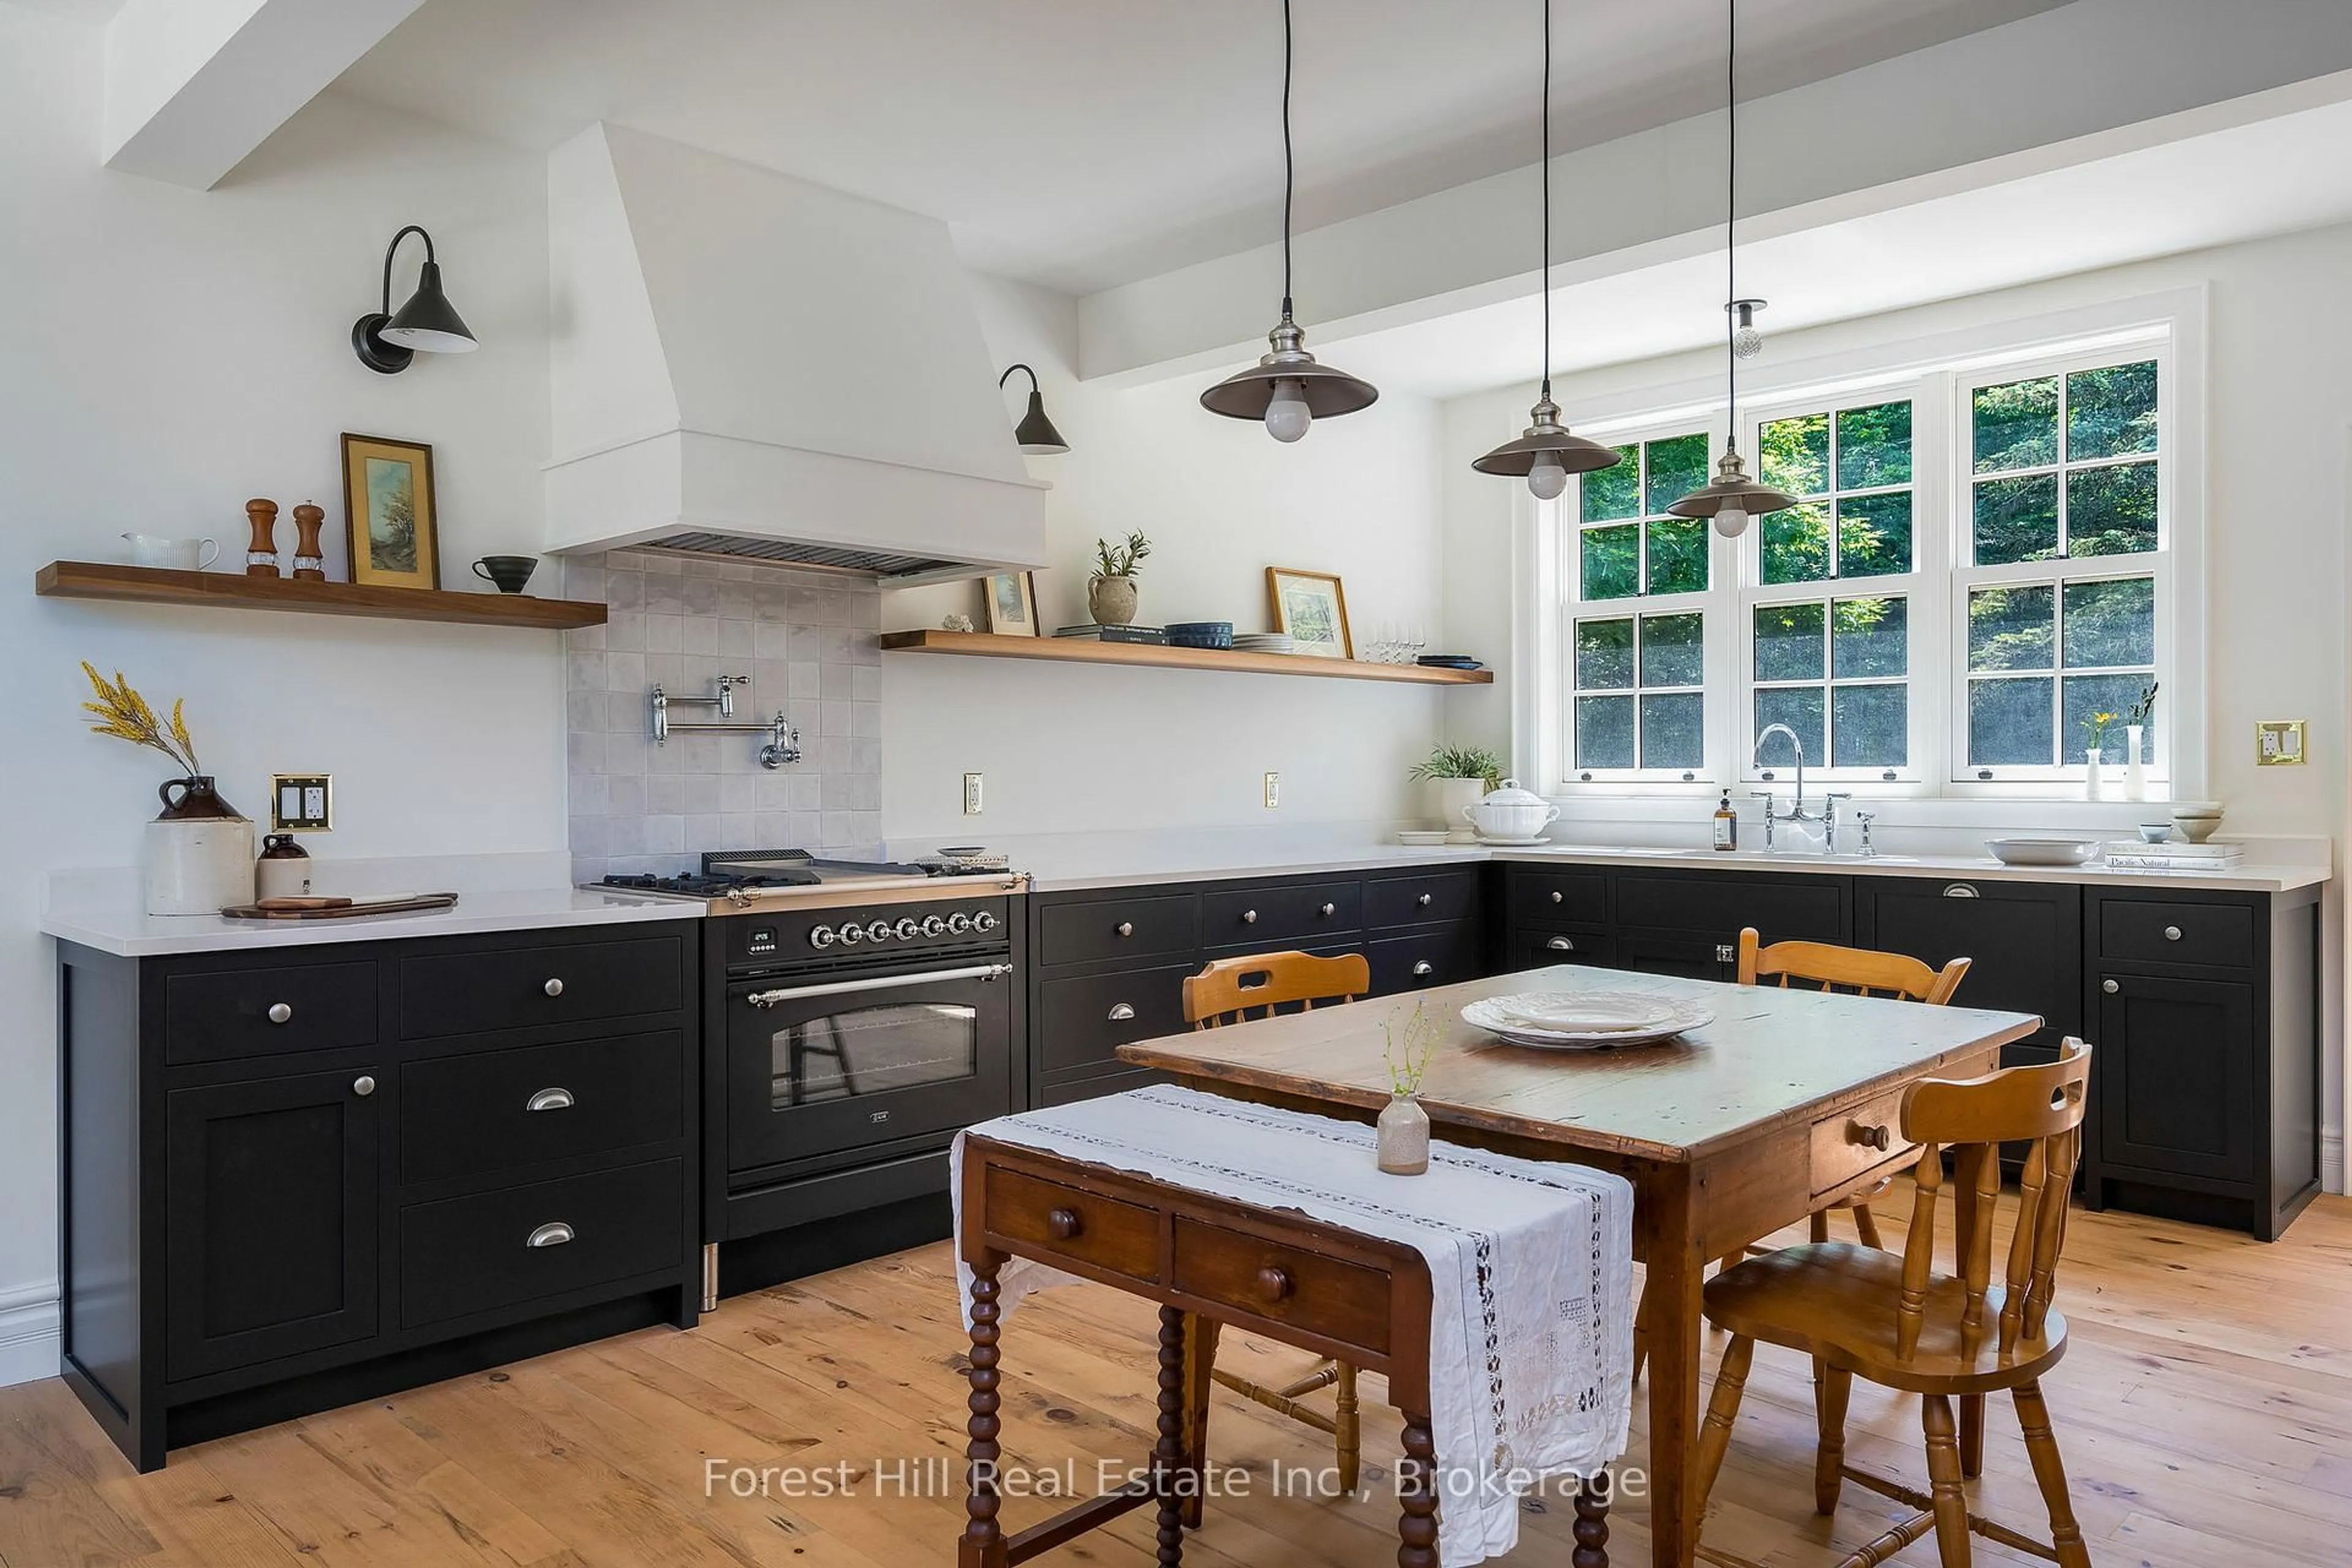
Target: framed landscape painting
[
  {"x": 389, "y": 512},
  {"x": 1313, "y": 608},
  {"x": 1011, "y": 604}
]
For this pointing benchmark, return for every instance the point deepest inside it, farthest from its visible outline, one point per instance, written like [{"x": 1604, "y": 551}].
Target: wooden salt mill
[
  {"x": 261, "y": 554},
  {"x": 309, "y": 566}
]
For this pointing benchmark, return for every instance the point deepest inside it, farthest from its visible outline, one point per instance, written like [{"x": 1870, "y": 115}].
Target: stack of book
[
  {"x": 1115, "y": 634},
  {"x": 2173, "y": 855}
]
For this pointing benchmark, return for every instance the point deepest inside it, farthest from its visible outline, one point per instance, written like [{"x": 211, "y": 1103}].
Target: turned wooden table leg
[
  {"x": 1417, "y": 1493},
  {"x": 983, "y": 1544},
  {"x": 1168, "y": 1456},
  {"x": 1591, "y": 1529},
  {"x": 1200, "y": 1361}
]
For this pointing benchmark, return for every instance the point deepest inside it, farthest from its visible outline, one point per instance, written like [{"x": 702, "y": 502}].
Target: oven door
[{"x": 824, "y": 1068}]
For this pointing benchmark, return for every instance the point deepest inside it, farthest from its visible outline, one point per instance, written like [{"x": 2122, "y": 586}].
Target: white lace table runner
[{"x": 1532, "y": 1330}]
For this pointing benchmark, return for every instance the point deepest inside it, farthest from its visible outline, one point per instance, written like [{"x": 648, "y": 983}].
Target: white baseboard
[
  {"x": 2331, "y": 1162},
  {"x": 29, "y": 1333}
]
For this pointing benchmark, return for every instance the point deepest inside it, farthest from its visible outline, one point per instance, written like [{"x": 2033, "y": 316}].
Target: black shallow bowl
[{"x": 1201, "y": 633}]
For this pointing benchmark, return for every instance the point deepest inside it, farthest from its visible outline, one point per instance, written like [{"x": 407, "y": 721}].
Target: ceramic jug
[{"x": 199, "y": 851}]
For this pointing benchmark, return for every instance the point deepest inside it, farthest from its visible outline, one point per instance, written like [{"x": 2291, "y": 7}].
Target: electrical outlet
[
  {"x": 971, "y": 794},
  {"x": 1273, "y": 790}
]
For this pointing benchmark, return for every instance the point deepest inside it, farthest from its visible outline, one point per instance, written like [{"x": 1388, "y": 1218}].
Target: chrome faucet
[
  {"x": 1830, "y": 819},
  {"x": 1797, "y": 812}
]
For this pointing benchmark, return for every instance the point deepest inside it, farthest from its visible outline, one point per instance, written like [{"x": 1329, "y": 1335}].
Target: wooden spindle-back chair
[
  {"x": 1898, "y": 1322},
  {"x": 1227, "y": 992}
]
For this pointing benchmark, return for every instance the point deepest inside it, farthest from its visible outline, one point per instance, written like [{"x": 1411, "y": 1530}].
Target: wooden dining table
[{"x": 1786, "y": 1101}]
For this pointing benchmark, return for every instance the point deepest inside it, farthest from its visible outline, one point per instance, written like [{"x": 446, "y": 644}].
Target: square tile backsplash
[{"x": 806, "y": 641}]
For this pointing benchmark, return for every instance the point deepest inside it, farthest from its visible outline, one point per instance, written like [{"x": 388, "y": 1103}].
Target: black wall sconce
[
  {"x": 1036, "y": 433},
  {"x": 386, "y": 340}
]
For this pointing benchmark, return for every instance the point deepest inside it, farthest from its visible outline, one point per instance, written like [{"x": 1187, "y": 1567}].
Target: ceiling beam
[
  {"x": 195, "y": 86},
  {"x": 2087, "y": 80}
]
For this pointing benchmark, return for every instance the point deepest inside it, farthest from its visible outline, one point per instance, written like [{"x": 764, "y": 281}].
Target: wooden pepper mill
[
  {"x": 309, "y": 566},
  {"x": 261, "y": 554}
]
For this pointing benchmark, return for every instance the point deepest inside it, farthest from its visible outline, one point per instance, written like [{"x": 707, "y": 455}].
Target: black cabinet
[
  {"x": 2023, "y": 941},
  {"x": 2176, "y": 1076},
  {"x": 311, "y": 1175},
  {"x": 271, "y": 1248}
]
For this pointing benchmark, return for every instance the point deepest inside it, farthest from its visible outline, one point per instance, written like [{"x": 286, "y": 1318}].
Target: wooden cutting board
[{"x": 338, "y": 909}]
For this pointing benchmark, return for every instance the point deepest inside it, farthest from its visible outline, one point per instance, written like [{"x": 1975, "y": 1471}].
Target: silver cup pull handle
[
  {"x": 1120, "y": 1012},
  {"x": 1561, "y": 944},
  {"x": 554, "y": 1233},
  {"x": 1423, "y": 967},
  {"x": 550, "y": 1100}
]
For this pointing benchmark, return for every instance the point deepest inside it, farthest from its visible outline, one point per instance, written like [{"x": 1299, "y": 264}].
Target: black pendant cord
[
  {"x": 1732, "y": 221},
  {"x": 1289, "y": 173},
  {"x": 1544, "y": 283}
]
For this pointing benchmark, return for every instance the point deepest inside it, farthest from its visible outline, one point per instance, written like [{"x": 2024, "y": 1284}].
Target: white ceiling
[
  {"x": 1082, "y": 143},
  {"x": 91, "y": 11}
]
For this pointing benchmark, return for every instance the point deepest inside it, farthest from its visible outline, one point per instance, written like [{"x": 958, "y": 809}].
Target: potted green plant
[
  {"x": 1458, "y": 776},
  {"x": 1110, "y": 591}
]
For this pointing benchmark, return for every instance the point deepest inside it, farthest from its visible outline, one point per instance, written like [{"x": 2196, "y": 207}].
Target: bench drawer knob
[
  {"x": 1875, "y": 1137},
  {"x": 1274, "y": 1284},
  {"x": 1064, "y": 1224}
]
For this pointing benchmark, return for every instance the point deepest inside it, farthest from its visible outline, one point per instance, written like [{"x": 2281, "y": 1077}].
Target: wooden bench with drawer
[{"x": 1208, "y": 1261}]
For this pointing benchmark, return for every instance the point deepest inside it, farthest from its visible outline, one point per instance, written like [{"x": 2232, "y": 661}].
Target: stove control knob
[
  {"x": 983, "y": 921},
  {"x": 908, "y": 928},
  {"x": 851, "y": 933},
  {"x": 960, "y": 922},
  {"x": 879, "y": 932},
  {"x": 821, "y": 937},
  {"x": 933, "y": 925}
]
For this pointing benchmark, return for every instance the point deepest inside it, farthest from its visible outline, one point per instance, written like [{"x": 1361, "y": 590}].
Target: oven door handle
[{"x": 880, "y": 983}]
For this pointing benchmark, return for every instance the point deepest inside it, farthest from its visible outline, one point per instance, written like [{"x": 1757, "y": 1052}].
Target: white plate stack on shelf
[
  {"x": 1265, "y": 642},
  {"x": 2173, "y": 855}
]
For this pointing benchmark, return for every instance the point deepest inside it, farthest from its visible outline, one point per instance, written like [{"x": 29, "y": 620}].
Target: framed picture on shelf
[
  {"x": 390, "y": 519},
  {"x": 1011, "y": 603},
  {"x": 1313, "y": 608}
]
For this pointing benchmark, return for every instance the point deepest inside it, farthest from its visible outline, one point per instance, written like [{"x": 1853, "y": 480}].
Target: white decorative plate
[
  {"x": 1585, "y": 1020},
  {"x": 1511, "y": 843}
]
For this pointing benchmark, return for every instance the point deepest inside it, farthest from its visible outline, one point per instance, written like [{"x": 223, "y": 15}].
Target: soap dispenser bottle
[{"x": 1727, "y": 825}]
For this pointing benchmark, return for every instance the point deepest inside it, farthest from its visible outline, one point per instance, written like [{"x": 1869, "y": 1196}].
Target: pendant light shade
[
  {"x": 1732, "y": 496},
  {"x": 1288, "y": 388},
  {"x": 386, "y": 340},
  {"x": 1546, "y": 453},
  {"x": 1036, "y": 433}
]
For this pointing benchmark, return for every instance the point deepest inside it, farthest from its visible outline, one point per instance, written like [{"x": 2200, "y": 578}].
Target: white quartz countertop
[
  {"x": 1072, "y": 867},
  {"x": 127, "y": 933}
]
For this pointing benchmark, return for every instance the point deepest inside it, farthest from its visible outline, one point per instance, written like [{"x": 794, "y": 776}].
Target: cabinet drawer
[
  {"x": 515, "y": 988},
  {"x": 1542, "y": 948},
  {"x": 1444, "y": 896},
  {"x": 1557, "y": 898},
  {"x": 2214, "y": 935},
  {"x": 1338, "y": 1299},
  {"x": 1123, "y": 1237},
  {"x": 472, "y": 1254},
  {"x": 467, "y": 1116},
  {"x": 1804, "y": 906},
  {"x": 1096, "y": 928},
  {"x": 1437, "y": 957},
  {"x": 1846, "y": 1146},
  {"x": 225, "y": 1014},
  {"x": 1268, "y": 919},
  {"x": 1082, "y": 1018}
]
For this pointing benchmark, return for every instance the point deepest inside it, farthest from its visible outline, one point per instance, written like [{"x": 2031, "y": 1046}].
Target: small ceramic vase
[
  {"x": 2135, "y": 769},
  {"x": 284, "y": 869},
  {"x": 1111, "y": 601},
  {"x": 1455, "y": 798},
  {"x": 2094, "y": 778},
  {"x": 1403, "y": 1132}
]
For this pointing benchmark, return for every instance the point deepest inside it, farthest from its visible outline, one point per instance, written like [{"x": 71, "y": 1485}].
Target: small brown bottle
[{"x": 1727, "y": 825}]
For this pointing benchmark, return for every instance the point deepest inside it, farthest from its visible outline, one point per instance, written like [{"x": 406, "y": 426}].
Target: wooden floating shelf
[
  {"x": 234, "y": 591},
  {"x": 1082, "y": 650}
]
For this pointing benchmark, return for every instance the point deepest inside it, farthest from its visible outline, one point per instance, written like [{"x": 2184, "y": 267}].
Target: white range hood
[{"x": 744, "y": 363}]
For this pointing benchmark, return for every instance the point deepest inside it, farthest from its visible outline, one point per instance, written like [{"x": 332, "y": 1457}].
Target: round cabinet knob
[
  {"x": 878, "y": 930},
  {"x": 985, "y": 920},
  {"x": 851, "y": 933},
  {"x": 1561, "y": 944},
  {"x": 908, "y": 928},
  {"x": 2109, "y": 986},
  {"x": 1331, "y": 910},
  {"x": 553, "y": 987},
  {"x": 1066, "y": 1225},
  {"x": 279, "y": 1012},
  {"x": 933, "y": 925},
  {"x": 2172, "y": 933},
  {"x": 821, "y": 937},
  {"x": 1274, "y": 1283},
  {"x": 364, "y": 1085},
  {"x": 1423, "y": 967},
  {"x": 1557, "y": 897},
  {"x": 1423, "y": 901},
  {"x": 1125, "y": 928},
  {"x": 958, "y": 922},
  {"x": 1869, "y": 1137},
  {"x": 1249, "y": 917}
]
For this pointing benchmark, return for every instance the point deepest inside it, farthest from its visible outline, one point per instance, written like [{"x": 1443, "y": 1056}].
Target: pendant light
[
  {"x": 1733, "y": 497},
  {"x": 1547, "y": 454},
  {"x": 1287, "y": 388},
  {"x": 1035, "y": 434}
]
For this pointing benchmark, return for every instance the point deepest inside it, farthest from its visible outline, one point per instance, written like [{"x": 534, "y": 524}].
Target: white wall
[
  {"x": 1074, "y": 748},
  {"x": 2278, "y": 409},
  {"x": 168, "y": 354}
]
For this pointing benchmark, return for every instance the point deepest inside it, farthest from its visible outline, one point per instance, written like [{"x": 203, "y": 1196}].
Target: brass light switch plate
[
  {"x": 301, "y": 803},
  {"x": 2280, "y": 743}
]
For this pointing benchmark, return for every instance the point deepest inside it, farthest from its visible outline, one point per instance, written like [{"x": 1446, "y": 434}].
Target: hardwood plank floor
[{"x": 2205, "y": 1413}]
